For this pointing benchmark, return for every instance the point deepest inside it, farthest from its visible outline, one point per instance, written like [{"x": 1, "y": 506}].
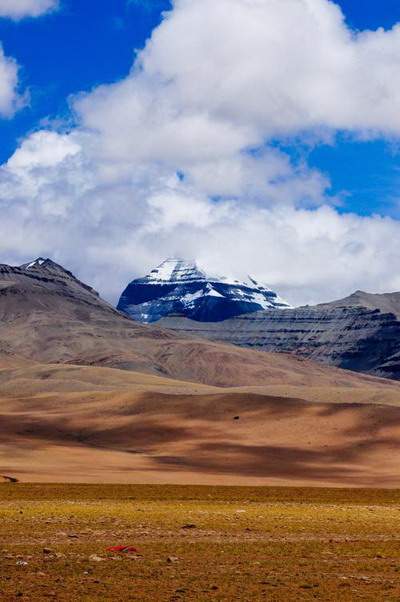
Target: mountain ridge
[
  {"x": 44, "y": 270},
  {"x": 384, "y": 302},
  {"x": 48, "y": 315},
  {"x": 51, "y": 317},
  {"x": 360, "y": 332}
]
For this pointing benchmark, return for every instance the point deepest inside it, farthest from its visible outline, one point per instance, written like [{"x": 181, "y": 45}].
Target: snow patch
[{"x": 34, "y": 264}]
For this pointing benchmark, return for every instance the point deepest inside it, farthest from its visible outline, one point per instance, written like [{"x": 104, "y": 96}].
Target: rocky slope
[
  {"x": 48, "y": 315},
  {"x": 361, "y": 332},
  {"x": 180, "y": 286}
]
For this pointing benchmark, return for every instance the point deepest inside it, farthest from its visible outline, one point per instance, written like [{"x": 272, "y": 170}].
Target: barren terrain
[
  {"x": 91, "y": 424},
  {"x": 87, "y": 395},
  {"x": 198, "y": 544}
]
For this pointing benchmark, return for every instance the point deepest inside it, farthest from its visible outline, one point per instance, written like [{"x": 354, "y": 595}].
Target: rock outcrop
[{"x": 357, "y": 333}]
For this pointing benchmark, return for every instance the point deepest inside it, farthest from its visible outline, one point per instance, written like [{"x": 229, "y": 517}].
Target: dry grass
[{"x": 247, "y": 543}]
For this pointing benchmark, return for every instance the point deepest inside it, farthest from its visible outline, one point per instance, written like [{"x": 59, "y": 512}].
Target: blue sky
[
  {"x": 78, "y": 48},
  {"x": 365, "y": 173},
  {"x": 74, "y": 49},
  {"x": 367, "y": 14},
  {"x": 256, "y": 137}
]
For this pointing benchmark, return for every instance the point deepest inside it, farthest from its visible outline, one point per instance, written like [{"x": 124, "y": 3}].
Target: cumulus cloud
[
  {"x": 67, "y": 207},
  {"x": 232, "y": 74},
  {"x": 18, "y": 9},
  {"x": 177, "y": 158},
  {"x": 10, "y": 100}
]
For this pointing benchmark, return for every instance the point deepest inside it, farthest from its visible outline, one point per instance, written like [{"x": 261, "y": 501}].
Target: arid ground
[
  {"x": 307, "y": 425},
  {"x": 198, "y": 543}
]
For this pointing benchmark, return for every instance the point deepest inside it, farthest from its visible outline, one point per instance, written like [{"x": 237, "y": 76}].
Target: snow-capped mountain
[{"x": 180, "y": 287}]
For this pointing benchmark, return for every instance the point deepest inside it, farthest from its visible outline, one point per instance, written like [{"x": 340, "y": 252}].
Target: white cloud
[
  {"x": 177, "y": 157},
  {"x": 41, "y": 150},
  {"x": 233, "y": 73},
  {"x": 18, "y": 9},
  {"x": 68, "y": 208},
  {"x": 10, "y": 100}
]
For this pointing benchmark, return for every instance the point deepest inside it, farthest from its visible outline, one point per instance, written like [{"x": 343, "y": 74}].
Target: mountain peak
[
  {"x": 45, "y": 268},
  {"x": 175, "y": 270},
  {"x": 42, "y": 263},
  {"x": 33, "y": 264},
  {"x": 180, "y": 286}
]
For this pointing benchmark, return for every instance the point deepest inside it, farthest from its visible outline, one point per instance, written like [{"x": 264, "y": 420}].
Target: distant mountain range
[
  {"x": 359, "y": 333},
  {"x": 179, "y": 286},
  {"x": 48, "y": 315}
]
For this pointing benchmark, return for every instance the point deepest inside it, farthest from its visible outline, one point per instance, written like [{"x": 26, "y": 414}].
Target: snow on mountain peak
[
  {"x": 180, "y": 286},
  {"x": 175, "y": 270},
  {"x": 34, "y": 264}
]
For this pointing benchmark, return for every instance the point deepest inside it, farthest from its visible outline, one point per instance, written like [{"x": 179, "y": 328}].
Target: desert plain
[{"x": 308, "y": 425}]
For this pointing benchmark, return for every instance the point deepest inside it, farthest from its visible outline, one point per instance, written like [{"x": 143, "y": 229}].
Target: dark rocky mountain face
[
  {"x": 180, "y": 286},
  {"x": 357, "y": 333}
]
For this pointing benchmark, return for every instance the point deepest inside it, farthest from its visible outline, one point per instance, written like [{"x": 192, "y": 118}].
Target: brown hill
[{"x": 90, "y": 424}]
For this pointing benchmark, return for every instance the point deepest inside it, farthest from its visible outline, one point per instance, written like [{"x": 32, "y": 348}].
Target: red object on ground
[{"x": 123, "y": 549}]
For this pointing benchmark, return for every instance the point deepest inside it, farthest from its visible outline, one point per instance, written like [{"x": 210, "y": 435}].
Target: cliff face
[{"x": 363, "y": 339}]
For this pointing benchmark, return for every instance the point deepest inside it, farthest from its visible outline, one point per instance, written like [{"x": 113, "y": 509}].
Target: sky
[{"x": 255, "y": 136}]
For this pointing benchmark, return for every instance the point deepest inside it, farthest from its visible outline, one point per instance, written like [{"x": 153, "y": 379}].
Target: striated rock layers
[{"x": 360, "y": 333}]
